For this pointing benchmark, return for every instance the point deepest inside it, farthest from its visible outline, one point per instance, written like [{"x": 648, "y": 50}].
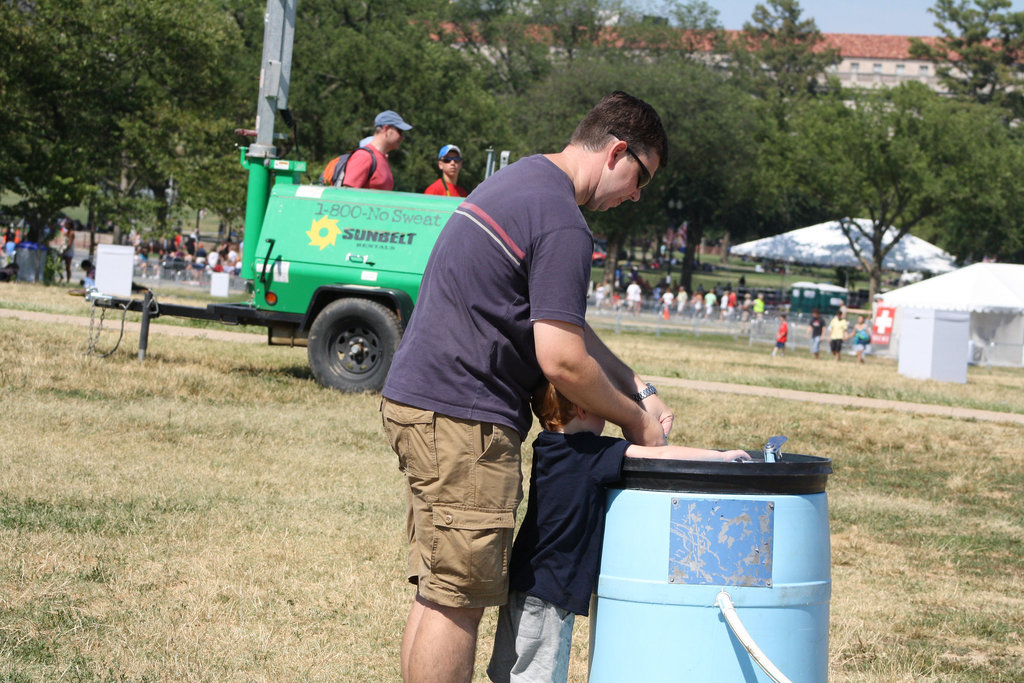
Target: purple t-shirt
[{"x": 516, "y": 250}]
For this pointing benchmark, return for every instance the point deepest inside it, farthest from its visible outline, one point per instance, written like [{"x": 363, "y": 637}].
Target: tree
[
  {"x": 353, "y": 60},
  {"x": 104, "y": 99},
  {"x": 979, "y": 54},
  {"x": 695, "y": 15},
  {"x": 516, "y": 43},
  {"x": 691, "y": 28},
  {"x": 717, "y": 135},
  {"x": 54, "y": 104},
  {"x": 178, "y": 102},
  {"x": 990, "y": 223},
  {"x": 780, "y": 56},
  {"x": 903, "y": 156}
]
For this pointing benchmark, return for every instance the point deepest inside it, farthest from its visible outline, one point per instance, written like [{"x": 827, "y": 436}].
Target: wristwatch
[{"x": 639, "y": 396}]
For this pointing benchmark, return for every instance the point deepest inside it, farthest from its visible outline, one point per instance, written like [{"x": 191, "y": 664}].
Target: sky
[{"x": 889, "y": 17}]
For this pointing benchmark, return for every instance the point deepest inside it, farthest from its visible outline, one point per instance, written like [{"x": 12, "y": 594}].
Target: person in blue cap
[
  {"x": 362, "y": 170},
  {"x": 449, "y": 161}
]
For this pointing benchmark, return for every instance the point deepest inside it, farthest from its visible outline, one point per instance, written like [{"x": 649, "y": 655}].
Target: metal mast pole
[{"x": 275, "y": 77}]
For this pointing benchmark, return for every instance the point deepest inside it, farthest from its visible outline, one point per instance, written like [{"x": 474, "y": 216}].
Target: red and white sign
[{"x": 881, "y": 326}]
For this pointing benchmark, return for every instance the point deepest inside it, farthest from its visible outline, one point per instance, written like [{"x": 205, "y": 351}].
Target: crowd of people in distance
[
  {"x": 185, "y": 257},
  {"x": 726, "y": 304},
  {"x": 722, "y": 303}
]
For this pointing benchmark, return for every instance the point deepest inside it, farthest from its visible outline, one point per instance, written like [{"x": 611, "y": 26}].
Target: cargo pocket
[
  {"x": 471, "y": 548},
  {"x": 498, "y": 473},
  {"x": 410, "y": 432}
]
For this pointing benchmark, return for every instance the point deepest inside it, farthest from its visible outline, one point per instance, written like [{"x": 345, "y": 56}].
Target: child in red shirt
[{"x": 780, "y": 337}]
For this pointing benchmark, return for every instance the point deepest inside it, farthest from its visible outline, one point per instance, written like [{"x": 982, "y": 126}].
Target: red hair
[{"x": 552, "y": 408}]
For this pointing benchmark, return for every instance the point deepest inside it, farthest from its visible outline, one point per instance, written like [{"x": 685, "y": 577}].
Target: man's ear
[{"x": 614, "y": 153}]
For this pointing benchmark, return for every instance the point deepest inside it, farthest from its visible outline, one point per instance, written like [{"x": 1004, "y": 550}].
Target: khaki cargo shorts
[{"x": 464, "y": 484}]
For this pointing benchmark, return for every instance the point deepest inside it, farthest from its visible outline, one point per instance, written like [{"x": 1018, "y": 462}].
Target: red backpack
[{"x": 334, "y": 173}]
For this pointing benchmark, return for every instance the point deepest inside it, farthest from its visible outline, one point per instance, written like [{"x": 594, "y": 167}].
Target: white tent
[
  {"x": 826, "y": 245},
  {"x": 993, "y": 293}
]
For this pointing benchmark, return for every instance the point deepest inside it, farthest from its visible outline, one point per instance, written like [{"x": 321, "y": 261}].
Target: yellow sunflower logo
[{"x": 324, "y": 232}]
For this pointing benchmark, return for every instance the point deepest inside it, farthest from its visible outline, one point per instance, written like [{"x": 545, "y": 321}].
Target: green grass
[
  {"x": 688, "y": 356},
  {"x": 212, "y": 514}
]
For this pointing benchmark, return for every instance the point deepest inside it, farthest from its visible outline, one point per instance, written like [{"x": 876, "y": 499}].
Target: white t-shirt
[{"x": 633, "y": 292}]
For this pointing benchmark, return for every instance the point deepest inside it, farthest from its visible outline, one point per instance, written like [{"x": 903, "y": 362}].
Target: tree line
[{"x": 130, "y": 107}]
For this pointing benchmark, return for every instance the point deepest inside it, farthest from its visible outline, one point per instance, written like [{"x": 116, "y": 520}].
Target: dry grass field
[{"x": 212, "y": 514}]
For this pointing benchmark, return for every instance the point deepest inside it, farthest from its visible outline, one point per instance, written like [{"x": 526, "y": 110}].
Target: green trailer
[
  {"x": 342, "y": 269},
  {"x": 337, "y": 270}
]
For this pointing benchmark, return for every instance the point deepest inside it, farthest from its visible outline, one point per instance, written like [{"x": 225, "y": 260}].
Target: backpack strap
[{"x": 339, "y": 169}]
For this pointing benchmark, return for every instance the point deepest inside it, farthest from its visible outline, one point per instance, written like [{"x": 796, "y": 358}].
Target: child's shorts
[{"x": 532, "y": 641}]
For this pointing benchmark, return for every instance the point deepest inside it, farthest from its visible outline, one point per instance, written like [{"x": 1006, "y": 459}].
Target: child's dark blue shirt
[{"x": 557, "y": 550}]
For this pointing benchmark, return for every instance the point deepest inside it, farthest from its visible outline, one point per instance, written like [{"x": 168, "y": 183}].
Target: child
[
  {"x": 837, "y": 333},
  {"x": 780, "y": 337},
  {"x": 861, "y": 338},
  {"x": 90, "y": 274},
  {"x": 814, "y": 330},
  {"x": 555, "y": 556}
]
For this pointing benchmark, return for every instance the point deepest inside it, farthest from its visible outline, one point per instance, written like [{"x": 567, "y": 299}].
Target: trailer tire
[{"x": 351, "y": 345}]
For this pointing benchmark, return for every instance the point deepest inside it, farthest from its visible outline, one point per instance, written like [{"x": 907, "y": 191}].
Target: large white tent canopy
[
  {"x": 826, "y": 245},
  {"x": 982, "y": 288}
]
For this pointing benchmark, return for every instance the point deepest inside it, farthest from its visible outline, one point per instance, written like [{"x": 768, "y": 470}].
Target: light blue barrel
[{"x": 676, "y": 535}]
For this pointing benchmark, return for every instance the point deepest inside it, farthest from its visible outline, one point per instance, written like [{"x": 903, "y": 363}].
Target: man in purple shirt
[{"x": 502, "y": 308}]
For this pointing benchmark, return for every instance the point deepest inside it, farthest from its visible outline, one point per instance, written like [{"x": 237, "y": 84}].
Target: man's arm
[
  {"x": 623, "y": 377},
  {"x": 593, "y": 378}
]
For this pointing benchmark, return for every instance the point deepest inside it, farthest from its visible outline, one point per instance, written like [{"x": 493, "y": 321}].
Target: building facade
[{"x": 870, "y": 61}]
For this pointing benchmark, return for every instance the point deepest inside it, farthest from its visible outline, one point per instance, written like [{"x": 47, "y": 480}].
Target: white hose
[{"x": 724, "y": 603}]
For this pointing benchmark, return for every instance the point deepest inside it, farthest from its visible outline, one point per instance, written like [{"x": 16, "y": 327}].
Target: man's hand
[
  {"x": 649, "y": 432},
  {"x": 656, "y": 407}
]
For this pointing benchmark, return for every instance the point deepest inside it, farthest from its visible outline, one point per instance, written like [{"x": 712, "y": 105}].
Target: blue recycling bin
[
  {"x": 679, "y": 533},
  {"x": 31, "y": 259}
]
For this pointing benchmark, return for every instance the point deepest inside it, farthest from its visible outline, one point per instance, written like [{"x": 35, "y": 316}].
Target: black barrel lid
[{"x": 794, "y": 475}]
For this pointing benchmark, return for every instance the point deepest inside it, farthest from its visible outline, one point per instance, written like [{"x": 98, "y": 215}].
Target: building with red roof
[{"x": 871, "y": 61}]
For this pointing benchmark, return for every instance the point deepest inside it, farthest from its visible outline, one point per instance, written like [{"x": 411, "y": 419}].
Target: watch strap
[{"x": 648, "y": 390}]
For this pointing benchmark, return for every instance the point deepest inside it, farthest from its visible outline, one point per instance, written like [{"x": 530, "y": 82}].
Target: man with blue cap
[
  {"x": 374, "y": 172},
  {"x": 449, "y": 161}
]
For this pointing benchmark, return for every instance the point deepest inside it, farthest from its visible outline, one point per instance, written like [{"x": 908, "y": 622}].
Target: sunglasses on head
[
  {"x": 645, "y": 175},
  {"x": 446, "y": 160}
]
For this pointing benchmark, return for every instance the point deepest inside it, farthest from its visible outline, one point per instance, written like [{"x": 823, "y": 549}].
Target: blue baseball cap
[
  {"x": 448, "y": 148},
  {"x": 390, "y": 118}
]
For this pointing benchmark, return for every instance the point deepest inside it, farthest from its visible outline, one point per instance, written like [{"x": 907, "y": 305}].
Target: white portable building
[{"x": 993, "y": 295}]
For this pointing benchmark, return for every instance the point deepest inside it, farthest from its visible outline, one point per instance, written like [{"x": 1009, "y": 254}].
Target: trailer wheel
[{"x": 351, "y": 344}]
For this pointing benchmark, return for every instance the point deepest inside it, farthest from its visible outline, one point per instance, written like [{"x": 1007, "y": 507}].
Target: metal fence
[
  {"x": 756, "y": 329},
  {"x": 155, "y": 274}
]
